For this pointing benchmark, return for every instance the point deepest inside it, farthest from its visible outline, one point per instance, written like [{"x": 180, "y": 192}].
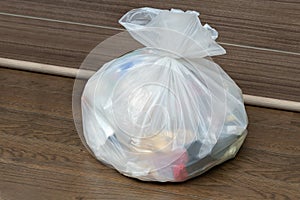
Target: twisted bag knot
[{"x": 177, "y": 32}]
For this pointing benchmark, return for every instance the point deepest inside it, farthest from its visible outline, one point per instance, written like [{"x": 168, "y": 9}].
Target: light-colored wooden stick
[
  {"x": 271, "y": 103},
  {"x": 45, "y": 68},
  {"x": 85, "y": 74}
]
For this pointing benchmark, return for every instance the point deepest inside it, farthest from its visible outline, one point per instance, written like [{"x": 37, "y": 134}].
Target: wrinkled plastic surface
[{"x": 164, "y": 112}]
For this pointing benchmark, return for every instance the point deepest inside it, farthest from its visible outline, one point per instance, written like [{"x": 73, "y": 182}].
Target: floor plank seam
[{"x": 121, "y": 29}]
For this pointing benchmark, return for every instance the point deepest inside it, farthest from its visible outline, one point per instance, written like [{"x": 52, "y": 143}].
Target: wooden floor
[
  {"x": 41, "y": 155},
  {"x": 43, "y": 158}
]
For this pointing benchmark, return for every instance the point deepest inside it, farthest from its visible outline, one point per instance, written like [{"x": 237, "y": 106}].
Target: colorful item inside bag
[{"x": 165, "y": 112}]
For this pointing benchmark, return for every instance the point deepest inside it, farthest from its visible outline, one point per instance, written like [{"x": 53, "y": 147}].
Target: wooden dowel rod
[
  {"x": 45, "y": 68},
  {"x": 271, "y": 103},
  {"x": 85, "y": 74}
]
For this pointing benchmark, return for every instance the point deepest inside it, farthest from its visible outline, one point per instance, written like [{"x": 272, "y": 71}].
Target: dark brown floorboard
[
  {"x": 41, "y": 156},
  {"x": 257, "y": 72},
  {"x": 260, "y": 23}
]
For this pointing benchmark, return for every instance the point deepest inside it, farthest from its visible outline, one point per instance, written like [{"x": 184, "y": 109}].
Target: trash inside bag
[{"x": 165, "y": 112}]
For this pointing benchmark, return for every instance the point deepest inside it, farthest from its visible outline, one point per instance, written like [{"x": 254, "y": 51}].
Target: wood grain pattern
[
  {"x": 269, "y": 24},
  {"x": 41, "y": 156},
  {"x": 261, "y": 73}
]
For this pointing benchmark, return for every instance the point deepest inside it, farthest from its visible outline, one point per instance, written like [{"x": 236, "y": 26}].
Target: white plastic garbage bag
[{"x": 165, "y": 112}]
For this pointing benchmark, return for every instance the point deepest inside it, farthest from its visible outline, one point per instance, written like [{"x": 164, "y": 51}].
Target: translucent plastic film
[{"x": 164, "y": 112}]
